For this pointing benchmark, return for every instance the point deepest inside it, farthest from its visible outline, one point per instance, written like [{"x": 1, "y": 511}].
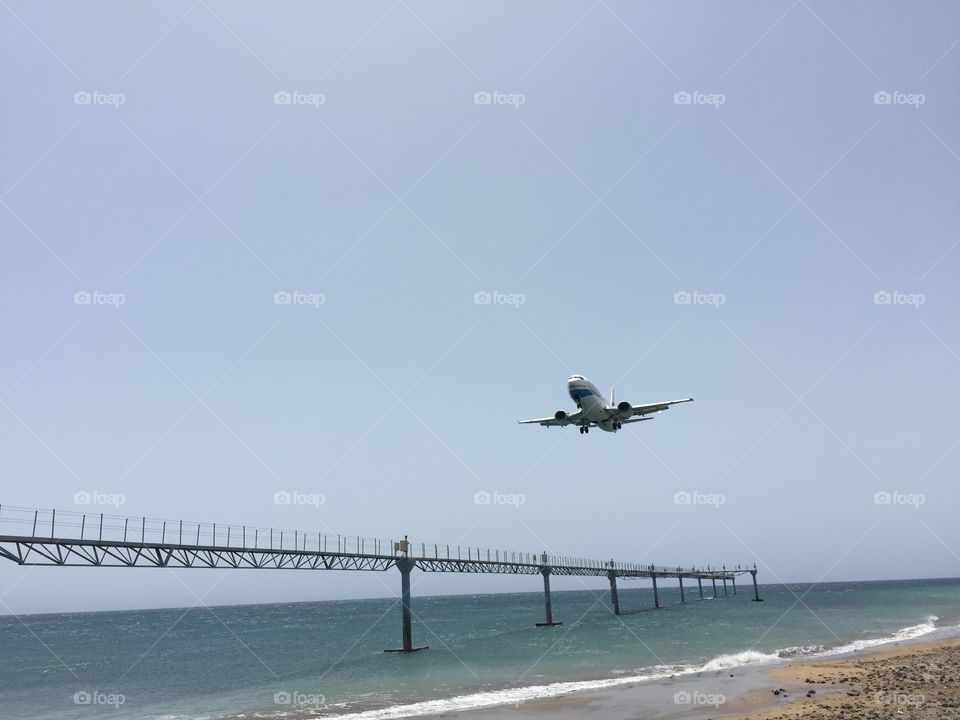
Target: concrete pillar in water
[
  {"x": 682, "y": 598},
  {"x": 724, "y": 585},
  {"x": 614, "y": 597},
  {"x": 405, "y": 565},
  {"x": 714, "y": 586},
  {"x": 756, "y": 593},
  {"x": 545, "y": 571},
  {"x": 656, "y": 596},
  {"x": 700, "y": 585}
]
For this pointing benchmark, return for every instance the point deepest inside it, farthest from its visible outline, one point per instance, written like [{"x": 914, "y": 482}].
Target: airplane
[{"x": 593, "y": 410}]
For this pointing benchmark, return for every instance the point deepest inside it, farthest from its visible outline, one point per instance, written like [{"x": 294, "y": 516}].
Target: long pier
[{"x": 30, "y": 536}]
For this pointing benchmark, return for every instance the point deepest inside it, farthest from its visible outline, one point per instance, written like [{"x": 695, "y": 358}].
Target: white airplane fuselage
[
  {"x": 589, "y": 399},
  {"x": 593, "y": 409}
]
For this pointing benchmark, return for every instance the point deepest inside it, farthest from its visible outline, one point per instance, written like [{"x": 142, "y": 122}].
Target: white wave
[
  {"x": 513, "y": 696},
  {"x": 801, "y": 650},
  {"x": 492, "y": 698},
  {"x": 747, "y": 657},
  {"x": 924, "y": 628},
  {"x": 907, "y": 633}
]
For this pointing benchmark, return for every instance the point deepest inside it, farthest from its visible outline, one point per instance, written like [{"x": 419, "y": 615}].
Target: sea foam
[
  {"x": 907, "y": 633},
  {"x": 512, "y": 696}
]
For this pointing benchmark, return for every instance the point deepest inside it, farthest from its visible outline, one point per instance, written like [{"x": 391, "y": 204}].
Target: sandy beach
[{"x": 917, "y": 680}]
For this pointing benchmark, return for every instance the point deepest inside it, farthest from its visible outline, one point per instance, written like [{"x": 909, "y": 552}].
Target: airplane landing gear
[{"x": 584, "y": 429}]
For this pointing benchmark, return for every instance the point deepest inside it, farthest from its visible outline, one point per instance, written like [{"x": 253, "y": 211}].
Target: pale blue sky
[{"x": 397, "y": 198}]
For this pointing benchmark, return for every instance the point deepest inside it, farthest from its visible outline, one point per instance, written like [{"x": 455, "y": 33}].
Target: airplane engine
[
  {"x": 559, "y": 415},
  {"x": 624, "y": 407}
]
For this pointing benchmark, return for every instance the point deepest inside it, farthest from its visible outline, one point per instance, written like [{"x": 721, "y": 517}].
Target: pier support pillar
[
  {"x": 614, "y": 596},
  {"x": 734, "y": 581},
  {"x": 724, "y": 585},
  {"x": 656, "y": 595},
  {"x": 682, "y": 598},
  {"x": 545, "y": 571},
  {"x": 714, "y": 586},
  {"x": 756, "y": 593},
  {"x": 700, "y": 585},
  {"x": 405, "y": 565}
]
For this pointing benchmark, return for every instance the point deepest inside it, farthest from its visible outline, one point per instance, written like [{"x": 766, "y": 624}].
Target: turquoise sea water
[{"x": 324, "y": 658}]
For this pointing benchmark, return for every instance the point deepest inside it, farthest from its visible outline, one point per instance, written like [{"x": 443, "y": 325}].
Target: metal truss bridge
[{"x": 30, "y": 536}]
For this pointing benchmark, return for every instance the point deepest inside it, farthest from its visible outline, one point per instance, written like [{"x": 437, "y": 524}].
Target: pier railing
[
  {"x": 108, "y": 527},
  {"x": 30, "y": 536},
  {"x": 102, "y": 528}
]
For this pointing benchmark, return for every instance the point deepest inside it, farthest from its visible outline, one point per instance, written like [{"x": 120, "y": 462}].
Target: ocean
[{"x": 318, "y": 659}]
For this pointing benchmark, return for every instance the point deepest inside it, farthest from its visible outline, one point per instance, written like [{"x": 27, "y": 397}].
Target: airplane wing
[
  {"x": 649, "y": 408},
  {"x": 568, "y": 419}
]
